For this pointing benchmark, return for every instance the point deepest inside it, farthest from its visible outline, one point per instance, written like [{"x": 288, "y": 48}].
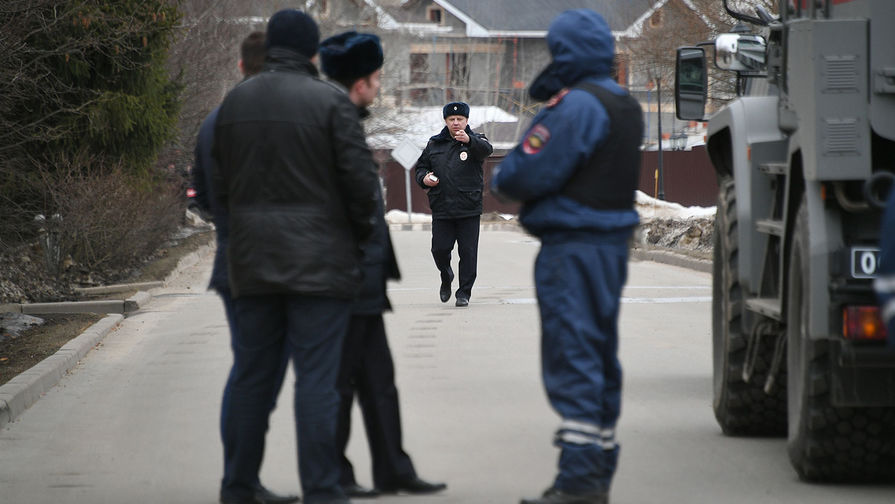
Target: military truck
[{"x": 804, "y": 152}]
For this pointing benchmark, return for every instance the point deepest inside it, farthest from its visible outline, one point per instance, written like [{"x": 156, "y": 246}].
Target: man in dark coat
[
  {"x": 252, "y": 54},
  {"x": 353, "y": 60},
  {"x": 450, "y": 169},
  {"x": 299, "y": 185},
  {"x": 576, "y": 172}
]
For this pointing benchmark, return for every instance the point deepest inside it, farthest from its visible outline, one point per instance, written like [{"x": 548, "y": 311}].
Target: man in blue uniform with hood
[{"x": 576, "y": 171}]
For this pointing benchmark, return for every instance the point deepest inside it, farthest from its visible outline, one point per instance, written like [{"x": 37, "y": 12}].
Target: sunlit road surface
[{"x": 137, "y": 421}]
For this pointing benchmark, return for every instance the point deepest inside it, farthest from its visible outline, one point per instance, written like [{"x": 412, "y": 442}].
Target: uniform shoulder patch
[
  {"x": 537, "y": 138},
  {"x": 555, "y": 99}
]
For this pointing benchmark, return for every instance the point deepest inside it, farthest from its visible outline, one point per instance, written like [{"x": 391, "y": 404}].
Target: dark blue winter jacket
[
  {"x": 459, "y": 169},
  {"x": 564, "y": 134},
  {"x": 201, "y": 179}
]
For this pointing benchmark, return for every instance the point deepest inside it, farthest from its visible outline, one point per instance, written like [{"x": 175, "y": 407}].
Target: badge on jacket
[
  {"x": 464, "y": 155},
  {"x": 536, "y": 140}
]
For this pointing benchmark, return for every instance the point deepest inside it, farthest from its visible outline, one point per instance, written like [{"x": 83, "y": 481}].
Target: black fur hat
[
  {"x": 456, "y": 108},
  {"x": 350, "y": 55},
  {"x": 293, "y": 29}
]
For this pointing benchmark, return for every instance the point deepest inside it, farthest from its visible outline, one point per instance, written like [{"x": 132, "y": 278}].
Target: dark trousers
[
  {"x": 368, "y": 370},
  {"x": 465, "y": 232},
  {"x": 310, "y": 330},
  {"x": 579, "y": 286},
  {"x": 225, "y": 400}
]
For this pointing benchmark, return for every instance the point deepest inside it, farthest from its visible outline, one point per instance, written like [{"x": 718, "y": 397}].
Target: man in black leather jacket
[
  {"x": 252, "y": 55},
  {"x": 450, "y": 169},
  {"x": 299, "y": 184},
  {"x": 354, "y": 60}
]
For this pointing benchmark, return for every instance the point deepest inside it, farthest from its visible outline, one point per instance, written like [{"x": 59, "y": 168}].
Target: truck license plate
[{"x": 864, "y": 262}]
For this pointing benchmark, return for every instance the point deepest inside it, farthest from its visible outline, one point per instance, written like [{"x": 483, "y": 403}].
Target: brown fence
[
  {"x": 688, "y": 175},
  {"x": 689, "y": 179}
]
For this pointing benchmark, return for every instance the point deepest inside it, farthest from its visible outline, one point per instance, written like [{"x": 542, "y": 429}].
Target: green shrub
[{"x": 81, "y": 79}]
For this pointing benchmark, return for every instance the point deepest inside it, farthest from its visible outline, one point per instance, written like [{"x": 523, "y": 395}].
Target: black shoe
[
  {"x": 462, "y": 301},
  {"x": 359, "y": 492},
  {"x": 262, "y": 496},
  {"x": 239, "y": 500},
  {"x": 413, "y": 486},
  {"x": 265, "y": 496},
  {"x": 556, "y": 496},
  {"x": 445, "y": 291}
]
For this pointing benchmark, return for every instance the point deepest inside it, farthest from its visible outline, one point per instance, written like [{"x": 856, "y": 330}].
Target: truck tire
[
  {"x": 826, "y": 443},
  {"x": 740, "y": 408}
]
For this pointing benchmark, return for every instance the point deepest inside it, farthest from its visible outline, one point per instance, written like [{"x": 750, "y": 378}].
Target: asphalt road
[{"x": 136, "y": 421}]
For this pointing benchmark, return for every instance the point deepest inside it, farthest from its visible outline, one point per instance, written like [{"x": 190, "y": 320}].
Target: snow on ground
[
  {"x": 673, "y": 226},
  {"x": 648, "y": 207},
  {"x": 652, "y": 208},
  {"x": 663, "y": 224},
  {"x": 400, "y": 217}
]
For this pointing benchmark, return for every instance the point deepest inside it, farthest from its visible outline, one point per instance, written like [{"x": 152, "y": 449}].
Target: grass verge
[{"x": 39, "y": 342}]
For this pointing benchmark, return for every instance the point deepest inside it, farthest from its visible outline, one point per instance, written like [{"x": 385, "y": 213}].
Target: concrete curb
[
  {"x": 25, "y": 389},
  {"x": 190, "y": 259},
  {"x": 121, "y": 306},
  {"x": 672, "y": 258},
  {"x": 112, "y": 289}
]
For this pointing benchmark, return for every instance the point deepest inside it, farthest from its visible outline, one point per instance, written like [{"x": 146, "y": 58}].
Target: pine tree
[{"x": 83, "y": 86}]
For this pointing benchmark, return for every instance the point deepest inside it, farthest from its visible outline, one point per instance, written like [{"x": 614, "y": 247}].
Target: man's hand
[
  {"x": 461, "y": 136},
  {"x": 430, "y": 180}
]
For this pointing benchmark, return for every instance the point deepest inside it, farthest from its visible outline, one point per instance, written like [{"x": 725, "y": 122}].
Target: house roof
[{"x": 531, "y": 18}]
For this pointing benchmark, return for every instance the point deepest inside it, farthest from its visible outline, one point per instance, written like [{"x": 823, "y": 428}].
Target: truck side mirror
[
  {"x": 690, "y": 84},
  {"x": 740, "y": 53}
]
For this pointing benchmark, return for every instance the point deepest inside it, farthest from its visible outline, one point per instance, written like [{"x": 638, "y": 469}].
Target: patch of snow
[
  {"x": 652, "y": 208},
  {"x": 12, "y": 325},
  {"x": 400, "y": 217}
]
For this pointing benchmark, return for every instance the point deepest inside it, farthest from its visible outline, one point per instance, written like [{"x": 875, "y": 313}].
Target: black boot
[
  {"x": 445, "y": 291},
  {"x": 556, "y": 496},
  {"x": 413, "y": 485},
  {"x": 356, "y": 491}
]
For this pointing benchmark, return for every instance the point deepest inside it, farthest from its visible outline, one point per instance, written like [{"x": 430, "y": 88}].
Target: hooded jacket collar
[
  {"x": 581, "y": 45},
  {"x": 281, "y": 59}
]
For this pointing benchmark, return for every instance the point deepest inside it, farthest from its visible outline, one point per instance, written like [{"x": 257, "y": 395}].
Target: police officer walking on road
[
  {"x": 576, "y": 171},
  {"x": 450, "y": 169},
  {"x": 353, "y": 60}
]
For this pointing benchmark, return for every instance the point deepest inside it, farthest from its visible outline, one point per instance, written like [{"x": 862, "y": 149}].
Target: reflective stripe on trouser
[{"x": 578, "y": 287}]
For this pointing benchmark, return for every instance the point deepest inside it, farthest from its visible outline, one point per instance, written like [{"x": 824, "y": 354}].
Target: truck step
[
  {"x": 773, "y": 168},
  {"x": 770, "y": 226},
  {"x": 769, "y": 307}
]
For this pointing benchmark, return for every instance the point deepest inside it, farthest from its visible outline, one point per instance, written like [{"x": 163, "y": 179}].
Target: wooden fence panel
[{"x": 688, "y": 175}]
